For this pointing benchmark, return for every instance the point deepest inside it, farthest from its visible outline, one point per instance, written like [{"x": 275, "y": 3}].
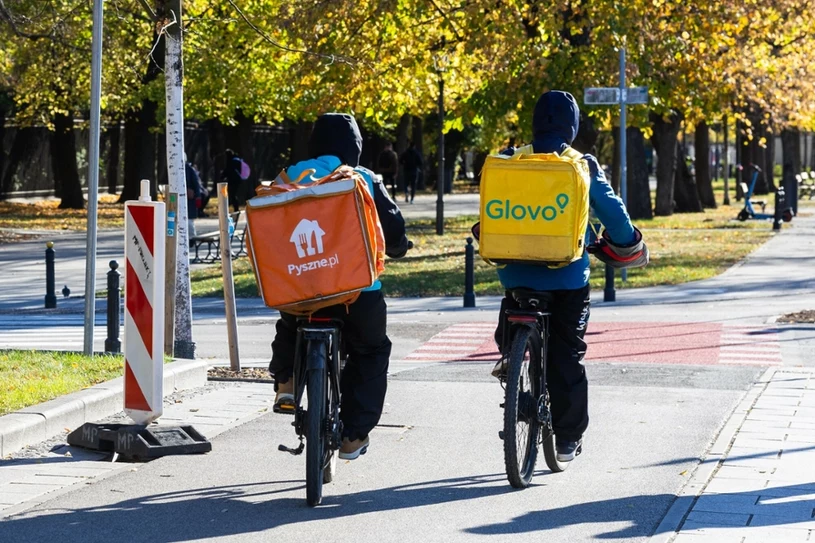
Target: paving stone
[
  {"x": 718, "y": 519},
  {"x": 802, "y": 525}
]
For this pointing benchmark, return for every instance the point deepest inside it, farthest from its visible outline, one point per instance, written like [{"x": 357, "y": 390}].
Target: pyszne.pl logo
[{"x": 308, "y": 241}]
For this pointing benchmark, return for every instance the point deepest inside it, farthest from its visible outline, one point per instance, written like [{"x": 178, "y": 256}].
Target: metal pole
[
  {"x": 93, "y": 176},
  {"x": 623, "y": 145},
  {"x": 50, "y": 295},
  {"x": 469, "y": 274},
  {"x": 228, "y": 281},
  {"x": 112, "y": 343},
  {"x": 440, "y": 182},
  {"x": 726, "y": 163}
]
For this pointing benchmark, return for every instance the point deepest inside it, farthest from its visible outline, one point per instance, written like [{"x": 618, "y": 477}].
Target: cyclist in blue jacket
[
  {"x": 555, "y": 123},
  {"x": 336, "y": 140}
]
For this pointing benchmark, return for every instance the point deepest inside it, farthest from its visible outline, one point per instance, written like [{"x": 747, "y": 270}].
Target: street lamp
[{"x": 440, "y": 66}]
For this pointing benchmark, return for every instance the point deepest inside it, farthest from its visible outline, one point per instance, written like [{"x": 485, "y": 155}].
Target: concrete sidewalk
[{"x": 757, "y": 483}]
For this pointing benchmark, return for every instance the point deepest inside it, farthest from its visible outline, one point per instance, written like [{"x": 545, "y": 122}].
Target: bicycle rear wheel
[
  {"x": 521, "y": 425},
  {"x": 315, "y": 422}
]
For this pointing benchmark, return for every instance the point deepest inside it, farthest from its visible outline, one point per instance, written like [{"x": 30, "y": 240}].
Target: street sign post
[{"x": 621, "y": 96}]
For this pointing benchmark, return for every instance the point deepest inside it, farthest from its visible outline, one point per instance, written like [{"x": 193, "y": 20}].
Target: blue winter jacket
[
  {"x": 323, "y": 166},
  {"x": 555, "y": 123}
]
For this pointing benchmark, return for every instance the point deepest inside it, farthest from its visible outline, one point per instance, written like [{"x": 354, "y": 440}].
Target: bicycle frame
[
  {"x": 538, "y": 321},
  {"x": 326, "y": 331}
]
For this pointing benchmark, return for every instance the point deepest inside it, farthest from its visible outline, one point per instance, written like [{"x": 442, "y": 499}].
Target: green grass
[
  {"x": 32, "y": 377},
  {"x": 683, "y": 248}
]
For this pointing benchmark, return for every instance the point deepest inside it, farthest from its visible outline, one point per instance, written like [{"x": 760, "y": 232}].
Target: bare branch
[
  {"x": 330, "y": 58},
  {"x": 149, "y": 10},
  {"x": 448, "y": 19}
]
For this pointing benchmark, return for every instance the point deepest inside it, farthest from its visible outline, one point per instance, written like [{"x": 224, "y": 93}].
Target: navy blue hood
[
  {"x": 555, "y": 122},
  {"x": 336, "y": 134}
]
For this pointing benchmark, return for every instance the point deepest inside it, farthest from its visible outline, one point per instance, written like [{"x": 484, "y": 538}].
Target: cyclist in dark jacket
[
  {"x": 336, "y": 140},
  {"x": 555, "y": 122}
]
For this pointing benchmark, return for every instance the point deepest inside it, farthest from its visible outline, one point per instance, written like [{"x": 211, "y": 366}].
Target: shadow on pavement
[{"x": 241, "y": 509}]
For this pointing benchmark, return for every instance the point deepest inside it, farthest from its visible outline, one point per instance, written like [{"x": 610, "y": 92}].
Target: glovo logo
[{"x": 507, "y": 210}]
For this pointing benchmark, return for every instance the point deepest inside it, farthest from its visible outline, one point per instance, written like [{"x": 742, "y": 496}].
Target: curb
[
  {"x": 39, "y": 422},
  {"x": 709, "y": 465}
]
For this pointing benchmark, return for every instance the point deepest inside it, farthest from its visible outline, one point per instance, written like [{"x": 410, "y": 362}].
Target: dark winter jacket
[
  {"x": 554, "y": 125},
  {"x": 344, "y": 136},
  {"x": 411, "y": 160}
]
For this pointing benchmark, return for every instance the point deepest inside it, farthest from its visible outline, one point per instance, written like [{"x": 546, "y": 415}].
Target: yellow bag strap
[{"x": 569, "y": 153}]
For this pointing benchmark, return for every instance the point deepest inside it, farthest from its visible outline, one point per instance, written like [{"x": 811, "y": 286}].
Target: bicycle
[
  {"x": 527, "y": 413},
  {"x": 317, "y": 366}
]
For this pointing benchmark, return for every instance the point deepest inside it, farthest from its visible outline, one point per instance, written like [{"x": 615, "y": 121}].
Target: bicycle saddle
[{"x": 531, "y": 298}]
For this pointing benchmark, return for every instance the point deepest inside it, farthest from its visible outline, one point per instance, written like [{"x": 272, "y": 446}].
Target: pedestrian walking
[
  {"x": 388, "y": 166},
  {"x": 411, "y": 161}
]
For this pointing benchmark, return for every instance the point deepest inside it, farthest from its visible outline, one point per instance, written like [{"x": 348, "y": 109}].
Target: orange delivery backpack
[{"x": 314, "y": 245}]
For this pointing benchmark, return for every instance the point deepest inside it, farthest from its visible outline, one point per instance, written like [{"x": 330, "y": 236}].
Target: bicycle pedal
[
  {"x": 501, "y": 434},
  {"x": 295, "y": 452}
]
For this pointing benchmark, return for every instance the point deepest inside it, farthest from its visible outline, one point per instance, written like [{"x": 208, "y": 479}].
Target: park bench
[
  {"x": 806, "y": 184},
  {"x": 207, "y": 247}
]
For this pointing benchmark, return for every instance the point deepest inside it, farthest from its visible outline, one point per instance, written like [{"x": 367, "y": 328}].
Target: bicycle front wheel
[
  {"x": 315, "y": 422},
  {"x": 521, "y": 425}
]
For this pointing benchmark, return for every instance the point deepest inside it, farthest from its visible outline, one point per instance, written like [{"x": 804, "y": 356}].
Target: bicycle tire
[
  {"x": 315, "y": 423},
  {"x": 550, "y": 455},
  {"x": 520, "y": 458}
]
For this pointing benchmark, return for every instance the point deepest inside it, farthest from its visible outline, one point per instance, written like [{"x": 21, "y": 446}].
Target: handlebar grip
[{"x": 410, "y": 244}]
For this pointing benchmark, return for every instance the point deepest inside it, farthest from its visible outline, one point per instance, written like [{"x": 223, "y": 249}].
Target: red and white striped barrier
[{"x": 144, "y": 308}]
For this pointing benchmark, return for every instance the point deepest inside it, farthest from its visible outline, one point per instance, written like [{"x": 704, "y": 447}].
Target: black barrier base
[{"x": 139, "y": 442}]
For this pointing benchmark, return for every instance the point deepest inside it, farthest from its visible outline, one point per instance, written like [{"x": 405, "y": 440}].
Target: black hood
[
  {"x": 336, "y": 134},
  {"x": 555, "y": 121}
]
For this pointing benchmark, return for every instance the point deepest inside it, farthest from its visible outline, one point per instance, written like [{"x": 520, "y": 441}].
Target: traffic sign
[
  {"x": 636, "y": 95},
  {"x": 611, "y": 95},
  {"x": 601, "y": 95}
]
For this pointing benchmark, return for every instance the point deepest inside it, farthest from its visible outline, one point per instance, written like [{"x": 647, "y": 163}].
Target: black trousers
[
  {"x": 389, "y": 180},
  {"x": 411, "y": 178},
  {"x": 565, "y": 373},
  {"x": 364, "y": 379}
]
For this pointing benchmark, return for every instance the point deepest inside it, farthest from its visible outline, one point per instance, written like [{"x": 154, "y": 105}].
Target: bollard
[
  {"x": 469, "y": 273},
  {"x": 779, "y": 201},
  {"x": 112, "y": 343},
  {"x": 609, "y": 294},
  {"x": 50, "y": 295}
]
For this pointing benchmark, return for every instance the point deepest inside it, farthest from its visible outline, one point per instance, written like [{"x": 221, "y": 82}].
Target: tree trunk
[
  {"x": 639, "y": 190},
  {"x": 417, "y": 136},
  {"x": 686, "y": 193},
  {"x": 400, "y": 146},
  {"x": 811, "y": 152},
  {"x": 791, "y": 165},
  {"x": 24, "y": 145},
  {"x": 217, "y": 146},
  {"x": 140, "y": 150},
  {"x": 769, "y": 161},
  {"x": 299, "y": 144},
  {"x": 3, "y": 97},
  {"x": 479, "y": 158},
  {"x": 174, "y": 95},
  {"x": 703, "y": 181},
  {"x": 665, "y": 144},
  {"x": 726, "y": 160},
  {"x": 63, "y": 162},
  {"x": 114, "y": 133},
  {"x": 161, "y": 162},
  {"x": 615, "y": 162}
]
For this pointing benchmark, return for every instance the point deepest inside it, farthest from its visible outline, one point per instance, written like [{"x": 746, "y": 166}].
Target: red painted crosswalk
[{"x": 654, "y": 342}]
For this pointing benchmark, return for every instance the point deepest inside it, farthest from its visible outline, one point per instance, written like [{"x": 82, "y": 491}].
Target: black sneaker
[{"x": 567, "y": 450}]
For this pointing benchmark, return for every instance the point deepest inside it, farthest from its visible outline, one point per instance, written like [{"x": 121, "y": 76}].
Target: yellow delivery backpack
[{"x": 534, "y": 207}]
